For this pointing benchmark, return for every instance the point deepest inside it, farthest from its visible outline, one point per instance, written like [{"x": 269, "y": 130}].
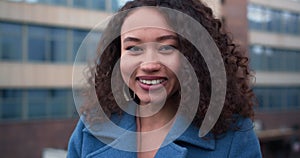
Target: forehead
[{"x": 145, "y": 17}]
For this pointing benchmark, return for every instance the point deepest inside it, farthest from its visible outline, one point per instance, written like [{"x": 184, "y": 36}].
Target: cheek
[
  {"x": 127, "y": 67},
  {"x": 173, "y": 63}
]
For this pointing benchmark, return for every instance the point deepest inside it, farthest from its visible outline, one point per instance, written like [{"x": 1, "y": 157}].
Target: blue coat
[{"x": 241, "y": 143}]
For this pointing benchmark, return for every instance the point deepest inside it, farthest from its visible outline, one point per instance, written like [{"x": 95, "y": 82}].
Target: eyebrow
[
  {"x": 159, "y": 39},
  {"x": 131, "y": 39},
  {"x": 167, "y": 37}
]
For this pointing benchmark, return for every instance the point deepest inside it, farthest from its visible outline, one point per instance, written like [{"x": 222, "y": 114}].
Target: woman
[{"x": 146, "y": 78}]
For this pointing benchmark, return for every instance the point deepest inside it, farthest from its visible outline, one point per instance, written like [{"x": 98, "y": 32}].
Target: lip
[
  {"x": 148, "y": 87},
  {"x": 151, "y": 77}
]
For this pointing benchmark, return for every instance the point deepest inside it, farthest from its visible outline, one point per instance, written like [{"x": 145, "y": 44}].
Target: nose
[
  {"x": 151, "y": 66},
  {"x": 150, "y": 63}
]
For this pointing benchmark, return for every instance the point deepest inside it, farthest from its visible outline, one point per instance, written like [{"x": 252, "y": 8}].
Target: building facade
[
  {"x": 39, "y": 40},
  {"x": 274, "y": 38}
]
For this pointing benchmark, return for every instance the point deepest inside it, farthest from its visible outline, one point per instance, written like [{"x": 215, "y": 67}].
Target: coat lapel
[{"x": 119, "y": 134}]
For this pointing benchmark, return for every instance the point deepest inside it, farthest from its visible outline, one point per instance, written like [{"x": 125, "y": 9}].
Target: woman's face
[{"x": 149, "y": 56}]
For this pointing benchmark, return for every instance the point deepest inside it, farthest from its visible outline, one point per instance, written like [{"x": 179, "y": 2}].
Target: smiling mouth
[{"x": 152, "y": 82}]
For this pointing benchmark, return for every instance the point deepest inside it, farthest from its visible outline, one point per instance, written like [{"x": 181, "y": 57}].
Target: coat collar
[
  {"x": 117, "y": 128},
  {"x": 190, "y": 134}
]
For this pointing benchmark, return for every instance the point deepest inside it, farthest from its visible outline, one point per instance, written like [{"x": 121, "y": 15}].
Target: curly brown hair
[{"x": 239, "y": 99}]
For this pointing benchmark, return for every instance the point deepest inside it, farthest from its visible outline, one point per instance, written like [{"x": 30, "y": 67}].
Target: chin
[{"x": 149, "y": 100}]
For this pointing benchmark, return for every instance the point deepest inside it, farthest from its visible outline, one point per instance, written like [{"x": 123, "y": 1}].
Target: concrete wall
[
  {"x": 50, "y": 15},
  {"x": 235, "y": 13}
]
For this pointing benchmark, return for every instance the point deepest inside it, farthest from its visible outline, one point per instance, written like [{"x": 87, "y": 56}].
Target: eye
[
  {"x": 167, "y": 49},
  {"x": 134, "y": 49}
]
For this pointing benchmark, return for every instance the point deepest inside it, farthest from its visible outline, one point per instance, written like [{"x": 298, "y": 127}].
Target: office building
[{"x": 39, "y": 40}]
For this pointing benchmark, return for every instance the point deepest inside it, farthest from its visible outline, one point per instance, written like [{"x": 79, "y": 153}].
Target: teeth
[{"x": 152, "y": 82}]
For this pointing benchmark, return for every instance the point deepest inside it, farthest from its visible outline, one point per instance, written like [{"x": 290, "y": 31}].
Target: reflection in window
[
  {"x": 273, "y": 20},
  {"x": 272, "y": 59},
  {"x": 289, "y": 22},
  {"x": 257, "y": 57},
  {"x": 10, "y": 42},
  {"x": 54, "y": 2},
  {"x": 255, "y": 16}
]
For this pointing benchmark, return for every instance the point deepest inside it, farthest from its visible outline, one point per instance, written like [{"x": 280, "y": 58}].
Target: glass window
[
  {"x": 276, "y": 59},
  {"x": 58, "y": 45},
  {"x": 47, "y": 44},
  {"x": 18, "y": 104},
  {"x": 100, "y": 5},
  {"x": 277, "y": 98},
  {"x": 274, "y": 24},
  {"x": 57, "y": 2},
  {"x": 257, "y": 57},
  {"x": 37, "y": 43},
  {"x": 78, "y": 37},
  {"x": 90, "y": 47},
  {"x": 37, "y": 103},
  {"x": 11, "y": 104},
  {"x": 81, "y": 3},
  {"x": 291, "y": 63},
  {"x": 116, "y": 4},
  {"x": 294, "y": 24},
  {"x": 288, "y": 22},
  {"x": 256, "y": 17},
  {"x": 273, "y": 59},
  {"x": 121, "y": 3},
  {"x": 59, "y": 103},
  {"x": 298, "y": 24},
  {"x": 292, "y": 97},
  {"x": 37, "y": 49},
  {"x": 15, "y": 0},
  {"x": 297, "y": 59},
  {"x": 273, "y": 20},
  {"x": 261, "y": 98},
  {"x": 10, "y": 42}
]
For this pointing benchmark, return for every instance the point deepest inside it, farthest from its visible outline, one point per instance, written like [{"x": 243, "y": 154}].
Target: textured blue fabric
[{"x": 241, "y": 143}]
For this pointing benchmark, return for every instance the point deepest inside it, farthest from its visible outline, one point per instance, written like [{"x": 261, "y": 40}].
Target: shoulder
[
  {"x": 75, "y": 142},
  {"x": 244, "y": 142},
  {"x": 239, "y": 141},
  {"x": 90, "y": 138}
]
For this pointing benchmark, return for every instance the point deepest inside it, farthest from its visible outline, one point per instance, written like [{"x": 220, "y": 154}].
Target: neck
[{"x": 157, "y": 117}]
